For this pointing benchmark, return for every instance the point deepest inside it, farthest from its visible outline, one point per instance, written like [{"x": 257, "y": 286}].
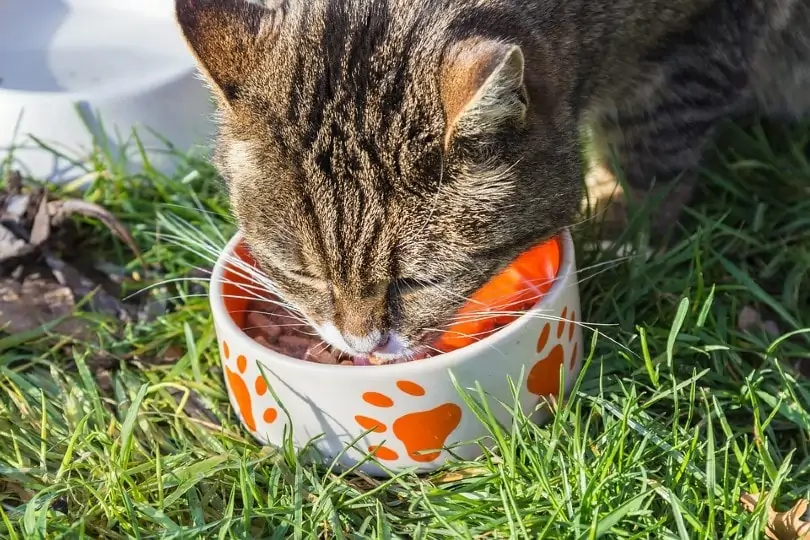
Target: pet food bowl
[
  {"x": 75, "y": 74},
  {"x": 408, "y": 416}
]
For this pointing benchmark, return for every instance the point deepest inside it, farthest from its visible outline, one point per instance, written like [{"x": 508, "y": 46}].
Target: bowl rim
[{"x": 435, "y": 363}]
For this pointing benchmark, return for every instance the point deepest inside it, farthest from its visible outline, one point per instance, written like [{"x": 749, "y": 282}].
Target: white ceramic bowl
[
  {"x": 77, "y": 71},
  {"x": 413, "y": 409}
]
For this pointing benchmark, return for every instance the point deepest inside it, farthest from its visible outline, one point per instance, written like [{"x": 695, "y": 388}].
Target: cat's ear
[
  {"x": 225, "y": 37},
  {"x": 482, "y": 88}
]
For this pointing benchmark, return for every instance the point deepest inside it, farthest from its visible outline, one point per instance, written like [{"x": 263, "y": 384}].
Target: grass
[{"x": 676, "y": 415}]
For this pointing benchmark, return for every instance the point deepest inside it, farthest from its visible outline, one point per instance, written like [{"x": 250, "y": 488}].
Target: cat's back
[{"x": 781, "y": 69}]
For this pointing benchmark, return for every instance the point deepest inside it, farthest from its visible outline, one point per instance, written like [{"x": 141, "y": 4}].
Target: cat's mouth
[
  {"x": 419, "y": 348},
  {"x": 397, "y": 348}
]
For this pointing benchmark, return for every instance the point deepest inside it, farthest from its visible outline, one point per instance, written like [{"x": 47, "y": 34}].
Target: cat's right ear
[
  {"x": 482, "y": 88},
  {"x": 225, "y": 37}
]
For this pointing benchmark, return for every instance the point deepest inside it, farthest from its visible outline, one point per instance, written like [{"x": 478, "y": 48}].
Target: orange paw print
[
  {"x": 423, "y": 433},
  {"x": 242, "y": 393},
  {"x": 544, "y": 377}
]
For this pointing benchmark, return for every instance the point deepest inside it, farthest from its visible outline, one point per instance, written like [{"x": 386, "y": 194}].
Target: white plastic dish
[
  {"x": 74, "y": 73},
  {"x": 418, "y": 419}
]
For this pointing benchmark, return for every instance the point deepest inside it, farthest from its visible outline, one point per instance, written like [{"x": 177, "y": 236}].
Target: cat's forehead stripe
[{"x": 348, "y": 106}]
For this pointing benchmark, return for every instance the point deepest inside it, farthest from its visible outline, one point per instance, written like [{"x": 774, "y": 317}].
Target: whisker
[
  {"x": 250, "y": 272},
  {"x": 248, "y": 298},
  {"x": 323, "y": 346},
  {"x": 302, "y": 320},
  {"x": 462, "y": 334},
  {"x": 539, "y": 315},
  {"x": 265, "y": 326},
  {"x": 434, "y": 349},
  {"x": 191, "y": 239},
  {"x": 170, "y": 281},
  {"x": 436, "y": 195},
  {"x": 474, "y": 336},
  {"x": 593, "y": 327},
  {"x": 615, "y": 261},
  {"x": 207, "y": 216},
  {"x": 271, "y": 314}
]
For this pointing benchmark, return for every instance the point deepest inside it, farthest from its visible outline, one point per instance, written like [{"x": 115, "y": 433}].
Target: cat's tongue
[{"x": 361, "y": 361}]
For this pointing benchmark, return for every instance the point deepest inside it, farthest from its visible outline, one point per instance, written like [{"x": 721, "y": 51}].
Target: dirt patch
[
  {"x": 36, "y": 301},
  {"x": 43, "y": 276}
]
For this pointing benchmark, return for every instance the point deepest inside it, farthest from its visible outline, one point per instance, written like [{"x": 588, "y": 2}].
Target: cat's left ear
[
  {"x": 226, "y": 37},
  {"x": 482, "y": 88}
]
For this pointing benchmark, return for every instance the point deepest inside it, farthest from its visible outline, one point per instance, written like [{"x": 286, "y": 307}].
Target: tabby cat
[{"x": 385, "y": 158}]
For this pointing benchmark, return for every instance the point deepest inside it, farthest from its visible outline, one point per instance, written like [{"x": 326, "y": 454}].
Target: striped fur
[{"x": 386, "y": 157}]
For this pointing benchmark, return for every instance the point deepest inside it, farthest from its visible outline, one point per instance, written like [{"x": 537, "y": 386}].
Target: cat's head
[{"x": 384, "y": 158}]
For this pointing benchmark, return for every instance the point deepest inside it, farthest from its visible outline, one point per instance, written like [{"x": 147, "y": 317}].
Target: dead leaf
[
  {"x": 362, "y": 482},
  {"x": 173, "y": 353},
  {"x": 27, "y": 305},
  {"x": 30, "y": 217},
  {"x": 81, "y": 287},
  {"x": 14, "y": 182},
  {"x": 790, "y": 525},
  {"x": 460, "y": 474},
  {"x": 748, "y": 319},
  {"x": 104, "y": 380},
  {"x": 147, "y": 356},
  {"x": 31, "y": 232},
  {"x": 41, "y": 227},
  {"x": 16, "y": 205},
  {"x": 12, "y": 247},
  {"x": 771, "y": 328},
  {"x": 194, "y": 407},
  {"x": 12, "y": 488},
  {"x": 62, "y": 209}
]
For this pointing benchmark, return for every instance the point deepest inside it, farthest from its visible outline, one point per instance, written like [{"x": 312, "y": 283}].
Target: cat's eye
[
  {"x": 301, "y": 275},
  {"x": 306, "y": 278}
]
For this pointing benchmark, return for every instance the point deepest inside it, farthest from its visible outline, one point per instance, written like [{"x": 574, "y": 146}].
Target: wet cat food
[
  {"x": 501, "y": 301},
  {"x": 273, "y": 327}
]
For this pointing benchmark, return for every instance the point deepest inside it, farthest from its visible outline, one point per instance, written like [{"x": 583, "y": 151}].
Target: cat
[{"x": 385, "y": 158}]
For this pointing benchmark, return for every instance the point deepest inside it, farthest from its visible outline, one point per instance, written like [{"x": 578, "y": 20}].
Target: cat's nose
[{"x": 368, "y": 344}]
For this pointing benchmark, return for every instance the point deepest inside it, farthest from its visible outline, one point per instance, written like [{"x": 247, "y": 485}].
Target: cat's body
[{"x": 386, "y": 157}]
